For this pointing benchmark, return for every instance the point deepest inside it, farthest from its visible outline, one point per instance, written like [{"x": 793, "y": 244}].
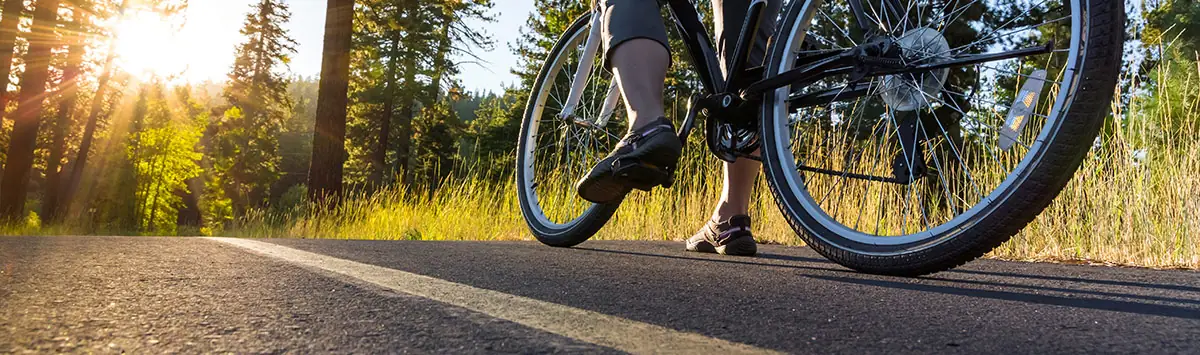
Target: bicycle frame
[
  {"x": 699, "y": 46},
  {"x": 724, "y": 90}
]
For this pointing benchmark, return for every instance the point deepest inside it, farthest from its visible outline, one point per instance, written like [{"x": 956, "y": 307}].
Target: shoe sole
[
  {"x": 736, "y": 248},
  {"x": 603, "y": 189},
  {"x": 613, "y": 185},
  {"x": 702, "y": 247}
]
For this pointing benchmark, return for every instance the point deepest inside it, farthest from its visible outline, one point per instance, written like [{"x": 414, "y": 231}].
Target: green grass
[
  {"x": 1113, "y": 211},
  {"x": 1118, "y": 209}
]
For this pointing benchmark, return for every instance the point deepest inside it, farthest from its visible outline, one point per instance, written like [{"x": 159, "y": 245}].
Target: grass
[
  {"x": 1123, "y": 214},
  {"x": 1117, "y": 210},
  {"x": 1134, "y": 201}
]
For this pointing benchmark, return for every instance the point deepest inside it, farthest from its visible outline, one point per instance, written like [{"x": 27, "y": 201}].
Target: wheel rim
[
  {"x": 972, "y": 173},
  {"x": 557, "y": 151}
]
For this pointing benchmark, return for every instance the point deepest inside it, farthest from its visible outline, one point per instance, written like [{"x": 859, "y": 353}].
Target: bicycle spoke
[
  {"x": 961, "y": 160},
  {"x": 966, "y": 116},
  {"x": 1006, "y": 34},
  {"x": 958, "y": 11},
  {"x": 845, "y": 34}
]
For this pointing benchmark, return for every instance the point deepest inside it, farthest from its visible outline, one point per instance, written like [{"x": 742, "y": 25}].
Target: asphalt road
[{"x": 154, "y": 295}]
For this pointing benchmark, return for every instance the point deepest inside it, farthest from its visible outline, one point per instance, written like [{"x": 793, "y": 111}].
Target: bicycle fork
[{"x": 580, "y": 79}]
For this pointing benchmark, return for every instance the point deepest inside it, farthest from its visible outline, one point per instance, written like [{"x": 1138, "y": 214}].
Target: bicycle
[{"x": 897, "y": 137}]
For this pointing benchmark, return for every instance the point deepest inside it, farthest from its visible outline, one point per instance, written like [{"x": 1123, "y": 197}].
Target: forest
[
  {"x": 386, "y": 142},
  {"x": 99, "y": 147}
]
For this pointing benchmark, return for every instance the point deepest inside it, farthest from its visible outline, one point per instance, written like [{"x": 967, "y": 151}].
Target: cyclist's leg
[
  {"x": 635, "y": 47},
  {"x": 729, "y": 230},
  {"x": 739, "y": 176}
]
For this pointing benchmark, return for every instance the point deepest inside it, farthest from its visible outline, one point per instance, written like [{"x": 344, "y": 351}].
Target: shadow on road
[
  {"x": 1085, "y": 280},
  {"x": 1136, "y": 303}
]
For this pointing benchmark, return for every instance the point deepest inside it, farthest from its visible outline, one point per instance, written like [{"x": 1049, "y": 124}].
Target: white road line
[{"x": 596, "y": 328}]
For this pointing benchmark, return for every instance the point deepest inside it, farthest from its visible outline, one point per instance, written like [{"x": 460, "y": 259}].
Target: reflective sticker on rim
[{"x": 1022, "y": 107}]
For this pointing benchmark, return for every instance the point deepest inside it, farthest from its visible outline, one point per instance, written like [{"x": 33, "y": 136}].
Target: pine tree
[
  {"x": 329, "y": 150},
  {"x": 439, "y": 123},
  {"x": 248, "y": 144},
  {"x": 26, "y": 119},
  {"x": 95, "y": 109},
  {"x": 397, "y": 45},
  {"x": 541, "y": 31},
  {"x": 74, "y": 37},
  {"x": 295, "y": 143},
  {"x": 385, "y": 37},
  {"x": 8, "y": 37}
]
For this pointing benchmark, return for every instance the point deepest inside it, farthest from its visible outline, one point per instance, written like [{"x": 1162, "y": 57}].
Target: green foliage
[
  {"x": 1171, "y": 45},
  {"x": 436, "y": 144},
  {"x": 1173, "y": 21},
  {"x": 246, "y": 152},
  {"x": 295, "y": 141},
  {"x": 492, "y": 144},
  {"x": 162, "y": 167},
  {"x": 402, "y": 56},
  {"x": 163, "y": 159},
  {"x": 539, "y": 34}
]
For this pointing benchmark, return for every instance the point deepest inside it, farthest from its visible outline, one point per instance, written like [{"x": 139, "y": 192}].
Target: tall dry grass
[{"x": 1134, "y": 201}]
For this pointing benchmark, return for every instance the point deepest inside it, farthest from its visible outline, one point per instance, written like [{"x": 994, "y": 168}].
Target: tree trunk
[
  {"x": 15, "y": 182},
  {"x": 389, "y": 105},
  {"x": 329, "y": 139},
  {"x": 439, "y": 58},
  {"x": 69, "y": 90},
  {"x": 8, "y": 38},
  {"x": 89, "y": 133},
  {"x": 407, "y": 112},
  {"x": 135, "y": 156},
  {"x": 445, "y": 20},
  {"x": 89, "y": 129}
]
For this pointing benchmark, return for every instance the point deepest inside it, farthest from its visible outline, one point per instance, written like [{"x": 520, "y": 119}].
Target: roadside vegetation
[{"x": 422, "y": 158}]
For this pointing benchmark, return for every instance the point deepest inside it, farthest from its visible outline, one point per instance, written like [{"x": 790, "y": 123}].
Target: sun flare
[{"x": 148, "y": 45}]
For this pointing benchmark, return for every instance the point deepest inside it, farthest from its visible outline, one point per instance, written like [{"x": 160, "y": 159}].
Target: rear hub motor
[{"x": 911, "y": 91}]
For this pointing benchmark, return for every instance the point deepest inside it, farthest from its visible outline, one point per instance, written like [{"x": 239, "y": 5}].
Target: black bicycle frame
[
  {"x": 703, "y": 55},
  {"x": 725, "y": 91},
  {"x": 699, "y": 45}
]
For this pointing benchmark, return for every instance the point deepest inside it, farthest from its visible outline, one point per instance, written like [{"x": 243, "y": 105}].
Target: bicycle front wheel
[
  {"x": 559, "y": 143},
  {"x": 919, "y": 172}
]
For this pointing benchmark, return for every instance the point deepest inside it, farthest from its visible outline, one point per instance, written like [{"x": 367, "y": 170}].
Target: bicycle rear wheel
[
  {"x": 910, "y": 174},
  {"x": 553, "y": 151}
]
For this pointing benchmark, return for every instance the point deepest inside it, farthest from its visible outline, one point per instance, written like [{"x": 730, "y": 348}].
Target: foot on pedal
[{"x": 644, "y": 159}]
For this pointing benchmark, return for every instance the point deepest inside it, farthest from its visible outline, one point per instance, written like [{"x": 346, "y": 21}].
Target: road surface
[{"x": 154, "y": 295}]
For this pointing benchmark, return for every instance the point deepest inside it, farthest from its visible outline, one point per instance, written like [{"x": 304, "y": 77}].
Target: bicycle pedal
[{"x": 641, "y": 175}]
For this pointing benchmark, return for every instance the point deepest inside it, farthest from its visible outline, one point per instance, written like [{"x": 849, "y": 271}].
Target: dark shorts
[{"x": 625, "y": 20}]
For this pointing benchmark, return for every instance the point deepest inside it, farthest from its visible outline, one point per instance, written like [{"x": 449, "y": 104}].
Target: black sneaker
[
  {"x": 644, "y": 159},
  {"x": 731, "y": 237}
]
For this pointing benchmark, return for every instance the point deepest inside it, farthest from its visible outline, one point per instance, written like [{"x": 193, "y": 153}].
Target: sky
[{"x": 203, "y": 47}]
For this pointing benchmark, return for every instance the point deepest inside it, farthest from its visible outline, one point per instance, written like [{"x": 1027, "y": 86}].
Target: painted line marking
[{"x": 588, "y": 326}]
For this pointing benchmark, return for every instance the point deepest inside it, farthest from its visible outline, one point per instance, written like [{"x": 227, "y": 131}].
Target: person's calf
[{"x": 640, "y": 67}]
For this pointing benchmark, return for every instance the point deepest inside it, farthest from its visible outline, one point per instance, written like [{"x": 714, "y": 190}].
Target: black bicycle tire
[
  {"x": 596, "y": 216},
  {"x": 1023, "y": 201}
]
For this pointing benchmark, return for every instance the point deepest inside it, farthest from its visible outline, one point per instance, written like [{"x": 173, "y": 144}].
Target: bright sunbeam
[{"x": 149, "y": 45}]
